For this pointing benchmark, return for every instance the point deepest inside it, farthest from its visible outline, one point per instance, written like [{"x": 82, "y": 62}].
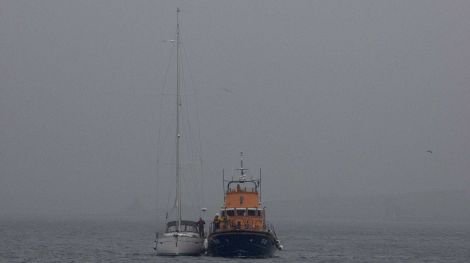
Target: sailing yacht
[{"x": 181, "y": 237}]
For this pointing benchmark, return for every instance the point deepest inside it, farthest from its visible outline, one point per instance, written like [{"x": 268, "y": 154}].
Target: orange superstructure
[{"x": 242, "y": 210}]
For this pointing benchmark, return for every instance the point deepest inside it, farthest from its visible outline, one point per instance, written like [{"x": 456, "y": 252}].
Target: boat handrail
[
  {"x": 270, "y": 228},
  {"x": 246, "y": 225}
]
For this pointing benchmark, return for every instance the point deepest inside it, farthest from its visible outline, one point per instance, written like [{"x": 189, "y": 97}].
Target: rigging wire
[
  {"x": 159, "y": 136},
  {"x": 198, "y": 139},
  {"x": 194, "y": 134}
]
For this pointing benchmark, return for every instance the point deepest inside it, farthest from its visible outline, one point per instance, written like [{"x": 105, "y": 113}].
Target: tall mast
[{"x": 178, "y": 133}]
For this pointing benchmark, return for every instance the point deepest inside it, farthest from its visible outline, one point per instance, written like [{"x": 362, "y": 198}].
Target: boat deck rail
[{"x": 223, "y": 227}]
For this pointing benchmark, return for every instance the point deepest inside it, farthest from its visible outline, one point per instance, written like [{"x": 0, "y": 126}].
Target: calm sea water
[{"x": 108, "y": 241}]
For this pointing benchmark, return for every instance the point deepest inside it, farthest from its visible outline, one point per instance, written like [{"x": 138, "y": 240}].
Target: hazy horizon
[{"x": 328, "y": 98}]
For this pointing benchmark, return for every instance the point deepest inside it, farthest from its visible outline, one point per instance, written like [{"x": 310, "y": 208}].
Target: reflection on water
[{"x": 107, "y": 241}]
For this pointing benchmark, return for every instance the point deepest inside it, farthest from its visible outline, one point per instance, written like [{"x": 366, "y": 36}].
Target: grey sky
[{"x": 327, "y": 97}]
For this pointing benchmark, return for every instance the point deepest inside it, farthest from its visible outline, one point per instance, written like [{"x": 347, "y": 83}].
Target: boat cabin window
[
  {"x": 171, "y": 229},
  {"x": 189, "y": 228},
  {"x": 186, "y": 226},
  {"x": 240, "y": 212},
  {"x": 243, "y": 186},
  {"x": 242, "y": 189}
]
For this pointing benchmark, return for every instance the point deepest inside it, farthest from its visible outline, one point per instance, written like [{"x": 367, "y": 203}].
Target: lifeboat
[{"x": 241, "y": 229}]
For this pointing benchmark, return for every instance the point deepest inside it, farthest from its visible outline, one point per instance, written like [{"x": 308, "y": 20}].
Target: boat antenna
[
  {"x": 223, "y": 183},
  {"x": 241, "y": 169},
  {"x": 260, "y": 185}
]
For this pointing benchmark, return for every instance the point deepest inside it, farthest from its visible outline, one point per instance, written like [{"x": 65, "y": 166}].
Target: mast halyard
[{"x": 178, "y": 132}]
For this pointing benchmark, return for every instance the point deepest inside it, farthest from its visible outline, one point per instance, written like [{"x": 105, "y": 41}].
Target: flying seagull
[{"x": 227, "y": 90}]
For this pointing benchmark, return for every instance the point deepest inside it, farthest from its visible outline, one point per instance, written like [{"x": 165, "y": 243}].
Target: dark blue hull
[{"x": 252, "y": 244}]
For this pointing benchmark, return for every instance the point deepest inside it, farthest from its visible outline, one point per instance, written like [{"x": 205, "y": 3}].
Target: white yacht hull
[{"x": 180, "y": 244}]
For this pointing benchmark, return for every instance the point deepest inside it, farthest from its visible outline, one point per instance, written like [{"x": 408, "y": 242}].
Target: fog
[{"x": 333, "y": 100}]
